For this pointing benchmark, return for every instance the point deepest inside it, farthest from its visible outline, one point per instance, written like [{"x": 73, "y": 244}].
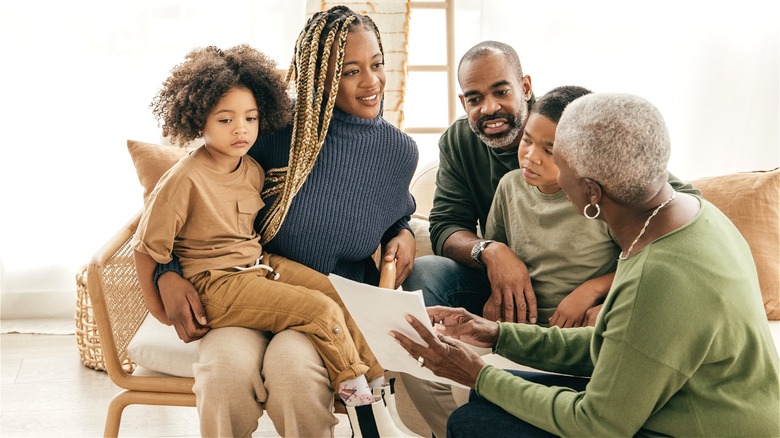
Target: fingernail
[
  {"x": 533, "y": 320},
  {"x": 408, "y": 318}
]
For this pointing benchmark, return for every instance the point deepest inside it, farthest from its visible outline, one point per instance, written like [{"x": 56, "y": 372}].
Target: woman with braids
[
  {"x": 337, "y": 183},
  {"x": 203, "y": 210}
]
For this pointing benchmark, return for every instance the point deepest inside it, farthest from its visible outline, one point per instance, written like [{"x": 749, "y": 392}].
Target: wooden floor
[{"x": 47, "y": 392}]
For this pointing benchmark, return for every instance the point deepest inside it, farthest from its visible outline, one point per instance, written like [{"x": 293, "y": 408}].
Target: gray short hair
[{"x": 618, "y": 140}]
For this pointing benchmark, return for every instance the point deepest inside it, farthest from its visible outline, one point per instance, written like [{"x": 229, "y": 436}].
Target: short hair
[
  {"x": 195, "y": 86},
  {"x": 490, "y": 47},
  {"x": 552, "y": 104},
  {"x": 617, "y": 140},
  {"x": 313, "y": 106}
]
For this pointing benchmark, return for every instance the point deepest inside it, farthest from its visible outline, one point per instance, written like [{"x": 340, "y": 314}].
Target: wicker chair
[{"x": 119, "y": 311}]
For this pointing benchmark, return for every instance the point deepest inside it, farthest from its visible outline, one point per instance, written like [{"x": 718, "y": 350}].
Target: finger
[
  {"x": 197, "y": 309},
  {"x": 514, "y": 307},
  {"x": 414, "y": 349},
  {"x": 403, "y": 269},
  {"x": 390, "y": 251},
  {"x": 422, "y": 330},
  {"x": 530, "y": 299}
]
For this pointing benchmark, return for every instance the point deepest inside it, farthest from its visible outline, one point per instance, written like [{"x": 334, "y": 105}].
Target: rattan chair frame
[{"x": 119, "y": 310}]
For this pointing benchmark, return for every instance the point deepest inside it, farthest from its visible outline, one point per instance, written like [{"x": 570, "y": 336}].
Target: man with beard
[{"x": 474, "y": 153}]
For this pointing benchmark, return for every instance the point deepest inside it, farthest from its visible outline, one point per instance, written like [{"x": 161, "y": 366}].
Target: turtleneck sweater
[{"x": 356, "y": 196}]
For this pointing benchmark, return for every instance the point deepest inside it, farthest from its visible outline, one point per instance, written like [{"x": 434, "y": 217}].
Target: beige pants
[
  {"x": 301, "y": 299},
  {"x": 434, "y": 401},
  {"x": 240, "y": 374}
]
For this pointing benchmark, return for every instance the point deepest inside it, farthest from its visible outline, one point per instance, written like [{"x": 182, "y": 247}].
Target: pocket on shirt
[{"x": 247, "y": 210}]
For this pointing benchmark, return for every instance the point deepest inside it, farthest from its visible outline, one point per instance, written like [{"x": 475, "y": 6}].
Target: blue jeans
[
  {"x": 445, "y": 282},
  {"x": 481, "y": 418}
]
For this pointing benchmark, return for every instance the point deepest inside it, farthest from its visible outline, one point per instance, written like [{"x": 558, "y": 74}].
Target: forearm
[
  {"x": 145, "y": 267},
  {"x": 551, "y": 349},
  {"x": 458, "y": 247}
]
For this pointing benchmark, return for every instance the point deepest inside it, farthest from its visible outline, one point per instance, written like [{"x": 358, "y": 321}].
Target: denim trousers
[
  {"x": 481, "y": 418},
  {"x": 445, "y": 282}
]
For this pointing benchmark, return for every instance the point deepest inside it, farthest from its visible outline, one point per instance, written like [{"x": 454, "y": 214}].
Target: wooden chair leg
[{"x": 128, "y": 397}]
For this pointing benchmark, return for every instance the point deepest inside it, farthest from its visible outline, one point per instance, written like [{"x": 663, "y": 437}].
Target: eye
[
  {"x": 379, "y": 65},
  {"x": 226, "y": 121},
  {"x": 548, "y": 151},
  {"x": 473, "y": 100},
  {"x": 502, "y": 92},
  {"x": 350, "y": 73},
  {"x": 251, "y": 119}
]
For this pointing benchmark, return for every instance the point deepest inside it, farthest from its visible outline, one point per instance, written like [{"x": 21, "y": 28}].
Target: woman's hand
[
  {"x": 183, "y": 306},
  {"x": 458, "y": 323},
  {"x": 444, "y": 356},
  {"x": 401, "y": 248}
]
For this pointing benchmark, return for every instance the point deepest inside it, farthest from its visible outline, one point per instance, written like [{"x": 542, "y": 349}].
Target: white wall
[
  {"x": 711, "y": 67},
  {"x": 77, "y": 78}
]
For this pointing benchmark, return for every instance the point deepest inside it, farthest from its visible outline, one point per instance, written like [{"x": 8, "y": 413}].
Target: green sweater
[
  {"x": 469, "y": 172},
  {"x": 681, "y": 348}
]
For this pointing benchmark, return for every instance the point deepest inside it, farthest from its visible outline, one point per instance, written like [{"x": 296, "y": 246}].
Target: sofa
[{"x": 751, "y": 200}]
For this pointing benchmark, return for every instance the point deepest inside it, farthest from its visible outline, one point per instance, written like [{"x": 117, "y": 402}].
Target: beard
[{"x": 498, "y": 141}]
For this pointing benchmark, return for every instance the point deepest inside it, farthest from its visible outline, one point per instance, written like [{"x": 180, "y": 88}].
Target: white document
[{"x": 376, "y": 311}]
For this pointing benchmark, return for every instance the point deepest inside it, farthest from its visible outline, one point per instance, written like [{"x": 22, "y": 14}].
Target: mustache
[{"x": 508, "y": 117}]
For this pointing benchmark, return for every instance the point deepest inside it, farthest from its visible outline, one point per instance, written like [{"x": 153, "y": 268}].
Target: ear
[
  {"x": 527, "y": 88},
  {"x": 595, "y": 193},
  {"x": 462, "y": 101}
]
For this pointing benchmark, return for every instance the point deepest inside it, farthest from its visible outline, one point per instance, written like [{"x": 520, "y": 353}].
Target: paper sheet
[{"x": 376, "y": 311}]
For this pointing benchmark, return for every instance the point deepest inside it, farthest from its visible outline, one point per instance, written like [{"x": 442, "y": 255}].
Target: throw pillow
[
  {"x": 156, "y": 347},
  {"x": 752, "y": 201},
  {"x": 152, "y": 161}
]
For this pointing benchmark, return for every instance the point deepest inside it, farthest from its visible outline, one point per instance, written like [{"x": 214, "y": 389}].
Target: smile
[{"x": 369, "y": 98}]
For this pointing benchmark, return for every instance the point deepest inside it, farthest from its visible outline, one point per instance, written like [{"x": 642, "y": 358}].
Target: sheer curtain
[{"x": 77, "y": 80}]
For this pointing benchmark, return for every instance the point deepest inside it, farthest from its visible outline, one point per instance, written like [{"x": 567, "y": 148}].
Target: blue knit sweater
[{"x": 356, "y": 196}]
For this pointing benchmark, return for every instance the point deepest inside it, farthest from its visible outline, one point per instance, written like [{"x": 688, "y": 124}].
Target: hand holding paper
[{"x": 378, "y": 311}]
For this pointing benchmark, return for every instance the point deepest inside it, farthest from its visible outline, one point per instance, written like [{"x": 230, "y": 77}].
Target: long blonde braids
[{"x": 309, "y": 69}]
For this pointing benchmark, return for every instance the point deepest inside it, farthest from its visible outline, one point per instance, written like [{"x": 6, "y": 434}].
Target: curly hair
[
  {"x": 196, "y": 85},
  {"x": 618, "y": 140},
  {"x": 325, "y": 31}
]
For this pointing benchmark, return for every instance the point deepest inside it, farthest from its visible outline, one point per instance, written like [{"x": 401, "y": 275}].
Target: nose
[
  {"x": 490, "y": 106},
  {"x": 241, "y": 128},
  {"x": 369, "y": 80},
  {"x": 532, "y": 155}
]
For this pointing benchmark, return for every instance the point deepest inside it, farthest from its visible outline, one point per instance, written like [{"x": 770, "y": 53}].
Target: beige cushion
[
  {"x": 157, "y": 347},
  {"x": 152, "y": 161},
  {"x": 422, "y": 187},
  {"x": 752, "y": 201}
]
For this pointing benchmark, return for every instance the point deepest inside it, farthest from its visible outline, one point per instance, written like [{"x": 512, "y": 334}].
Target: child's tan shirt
[{"x": 206, "y": 218}]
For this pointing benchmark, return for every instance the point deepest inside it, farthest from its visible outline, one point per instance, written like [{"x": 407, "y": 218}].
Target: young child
[
  {"x": 571, "y": 260},
  {"x": 203, "y": 210}
]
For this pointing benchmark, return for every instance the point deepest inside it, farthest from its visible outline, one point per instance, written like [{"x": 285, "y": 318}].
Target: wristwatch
[{"x": 476, "y": 251}]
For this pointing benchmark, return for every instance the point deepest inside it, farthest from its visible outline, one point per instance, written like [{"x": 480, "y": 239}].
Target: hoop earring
[{"x": 585, "y": 211}]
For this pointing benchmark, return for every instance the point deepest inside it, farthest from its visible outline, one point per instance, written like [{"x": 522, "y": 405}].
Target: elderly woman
[{"x": 681, "y": 347}]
